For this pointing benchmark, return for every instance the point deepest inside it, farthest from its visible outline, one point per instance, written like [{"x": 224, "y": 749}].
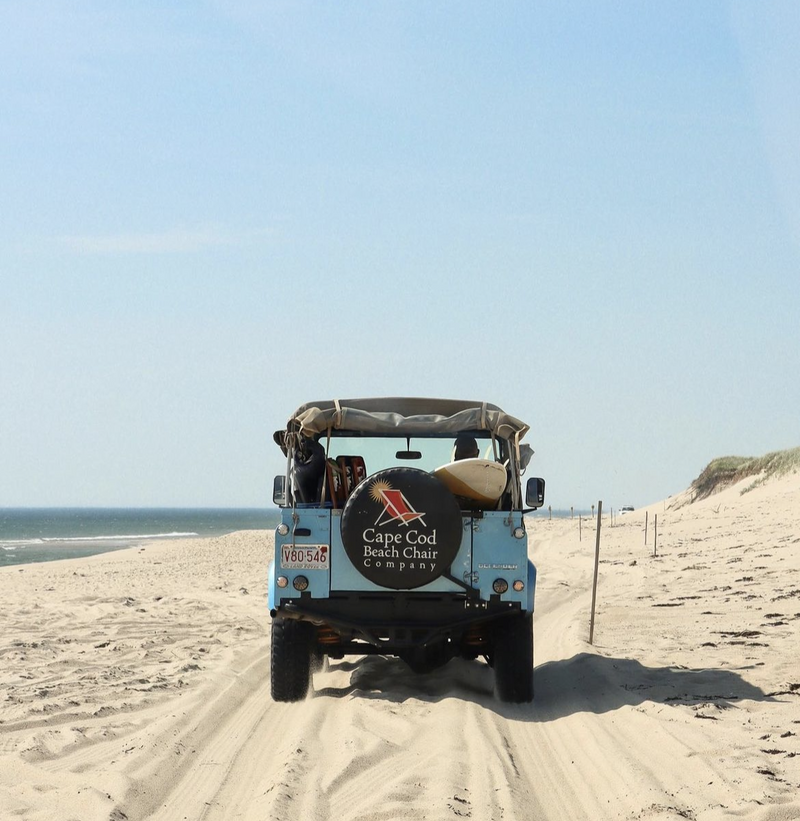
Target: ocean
[{"x": 46, "y": 534}]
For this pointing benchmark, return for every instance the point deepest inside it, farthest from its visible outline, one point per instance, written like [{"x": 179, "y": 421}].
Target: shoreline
[
  {"x": 58, "y": 550},
  {"x": 33, "y": 535}
]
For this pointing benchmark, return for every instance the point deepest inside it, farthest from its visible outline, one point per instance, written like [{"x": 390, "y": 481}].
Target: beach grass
[{"x": 729, "y": 470}]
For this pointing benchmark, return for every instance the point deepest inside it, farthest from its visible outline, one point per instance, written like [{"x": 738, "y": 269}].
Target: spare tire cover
[{"x": 401, "y": 528}]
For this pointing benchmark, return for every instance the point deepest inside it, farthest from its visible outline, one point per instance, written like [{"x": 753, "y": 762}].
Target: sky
[{"x": 587, "y": 213}]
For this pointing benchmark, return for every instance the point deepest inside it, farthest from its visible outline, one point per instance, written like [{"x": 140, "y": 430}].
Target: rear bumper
[{"x": 397, "y": 620}]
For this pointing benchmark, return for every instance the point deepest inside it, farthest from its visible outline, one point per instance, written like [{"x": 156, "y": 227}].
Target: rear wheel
[
  {"x": 292, "y": 649},
  {"x": 513, "y": 658}
]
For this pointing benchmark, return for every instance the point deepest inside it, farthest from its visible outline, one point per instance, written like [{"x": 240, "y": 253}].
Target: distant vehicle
[
  {"x": 627, "y": 509},
  {"x": 426, "y": 563}
]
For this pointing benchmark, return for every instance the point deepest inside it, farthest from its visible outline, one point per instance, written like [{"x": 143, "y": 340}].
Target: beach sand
[{"x": 135, "y": 685}]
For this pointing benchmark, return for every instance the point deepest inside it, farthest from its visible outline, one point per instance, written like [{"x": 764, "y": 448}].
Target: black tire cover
[{"x": 401, "y": 528}]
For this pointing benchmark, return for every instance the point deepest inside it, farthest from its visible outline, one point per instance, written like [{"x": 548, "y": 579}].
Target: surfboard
[{"x": 480, "y": 480}]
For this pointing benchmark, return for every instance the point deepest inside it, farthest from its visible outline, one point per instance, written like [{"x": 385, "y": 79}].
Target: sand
[{"x": 135, "y": 685}]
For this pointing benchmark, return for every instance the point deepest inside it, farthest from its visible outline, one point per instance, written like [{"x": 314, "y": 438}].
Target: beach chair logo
[{"x": 396, "y": 507}]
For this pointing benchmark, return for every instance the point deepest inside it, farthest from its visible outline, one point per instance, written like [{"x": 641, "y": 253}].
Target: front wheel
[
  {"x": 292, "y": 649},
  {"x": 513, "y": 658}
]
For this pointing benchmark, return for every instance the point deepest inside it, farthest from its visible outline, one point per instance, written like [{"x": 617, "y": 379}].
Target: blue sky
[{"x": 585, "y": 212}]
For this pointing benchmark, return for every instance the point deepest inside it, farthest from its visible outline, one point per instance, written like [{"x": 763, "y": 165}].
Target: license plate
[{"x": 305, "y": 556}]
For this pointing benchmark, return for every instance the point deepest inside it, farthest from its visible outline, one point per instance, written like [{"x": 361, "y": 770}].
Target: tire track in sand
[
  {"x": 385, "y": 753},
  {"x": 375, "y": 742},
  {"x": 332, "y": 757}
]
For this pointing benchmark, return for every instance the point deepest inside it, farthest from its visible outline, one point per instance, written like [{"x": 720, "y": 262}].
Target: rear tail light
[{"x": 500, "y": 585}]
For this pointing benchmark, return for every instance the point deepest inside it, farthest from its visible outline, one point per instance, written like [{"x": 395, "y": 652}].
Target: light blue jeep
[{"x": 402, "y": 534}]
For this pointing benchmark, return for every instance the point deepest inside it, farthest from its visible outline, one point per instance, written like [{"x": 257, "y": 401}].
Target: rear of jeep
[{"x": 388, "y": 546}]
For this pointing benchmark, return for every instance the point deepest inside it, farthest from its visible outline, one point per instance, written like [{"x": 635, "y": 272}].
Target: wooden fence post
[
  {"x": 596, "y": 567},
  {"x": 655, "y": 534}
]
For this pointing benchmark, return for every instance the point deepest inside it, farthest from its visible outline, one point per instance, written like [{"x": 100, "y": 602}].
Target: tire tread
[
  {"x": 290, "y": 669},
  {"x": 513, "y": 659}
]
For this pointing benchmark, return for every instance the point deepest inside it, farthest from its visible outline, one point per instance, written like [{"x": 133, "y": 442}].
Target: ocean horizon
[{"x": 42, "y": 534}]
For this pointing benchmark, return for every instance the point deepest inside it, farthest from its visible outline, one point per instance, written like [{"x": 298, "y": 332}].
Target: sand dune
[{"x": 135, "y": 686}]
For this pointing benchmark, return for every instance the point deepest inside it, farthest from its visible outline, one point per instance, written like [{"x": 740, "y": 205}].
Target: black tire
[
  {"x": 513, "y": 658},
  {"x": 292, "y": 649}
]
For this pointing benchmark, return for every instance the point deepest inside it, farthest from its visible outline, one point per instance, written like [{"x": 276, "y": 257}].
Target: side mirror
[
  {"x": 279, "y": 491},
  {"x": 534, "y": 493}
]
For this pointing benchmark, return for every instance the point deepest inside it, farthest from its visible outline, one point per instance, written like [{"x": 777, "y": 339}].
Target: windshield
[{"x": 380, "y": 453}]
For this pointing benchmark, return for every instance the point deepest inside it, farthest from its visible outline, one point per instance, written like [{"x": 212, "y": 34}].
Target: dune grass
[{"x": 728, "y": 470}]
